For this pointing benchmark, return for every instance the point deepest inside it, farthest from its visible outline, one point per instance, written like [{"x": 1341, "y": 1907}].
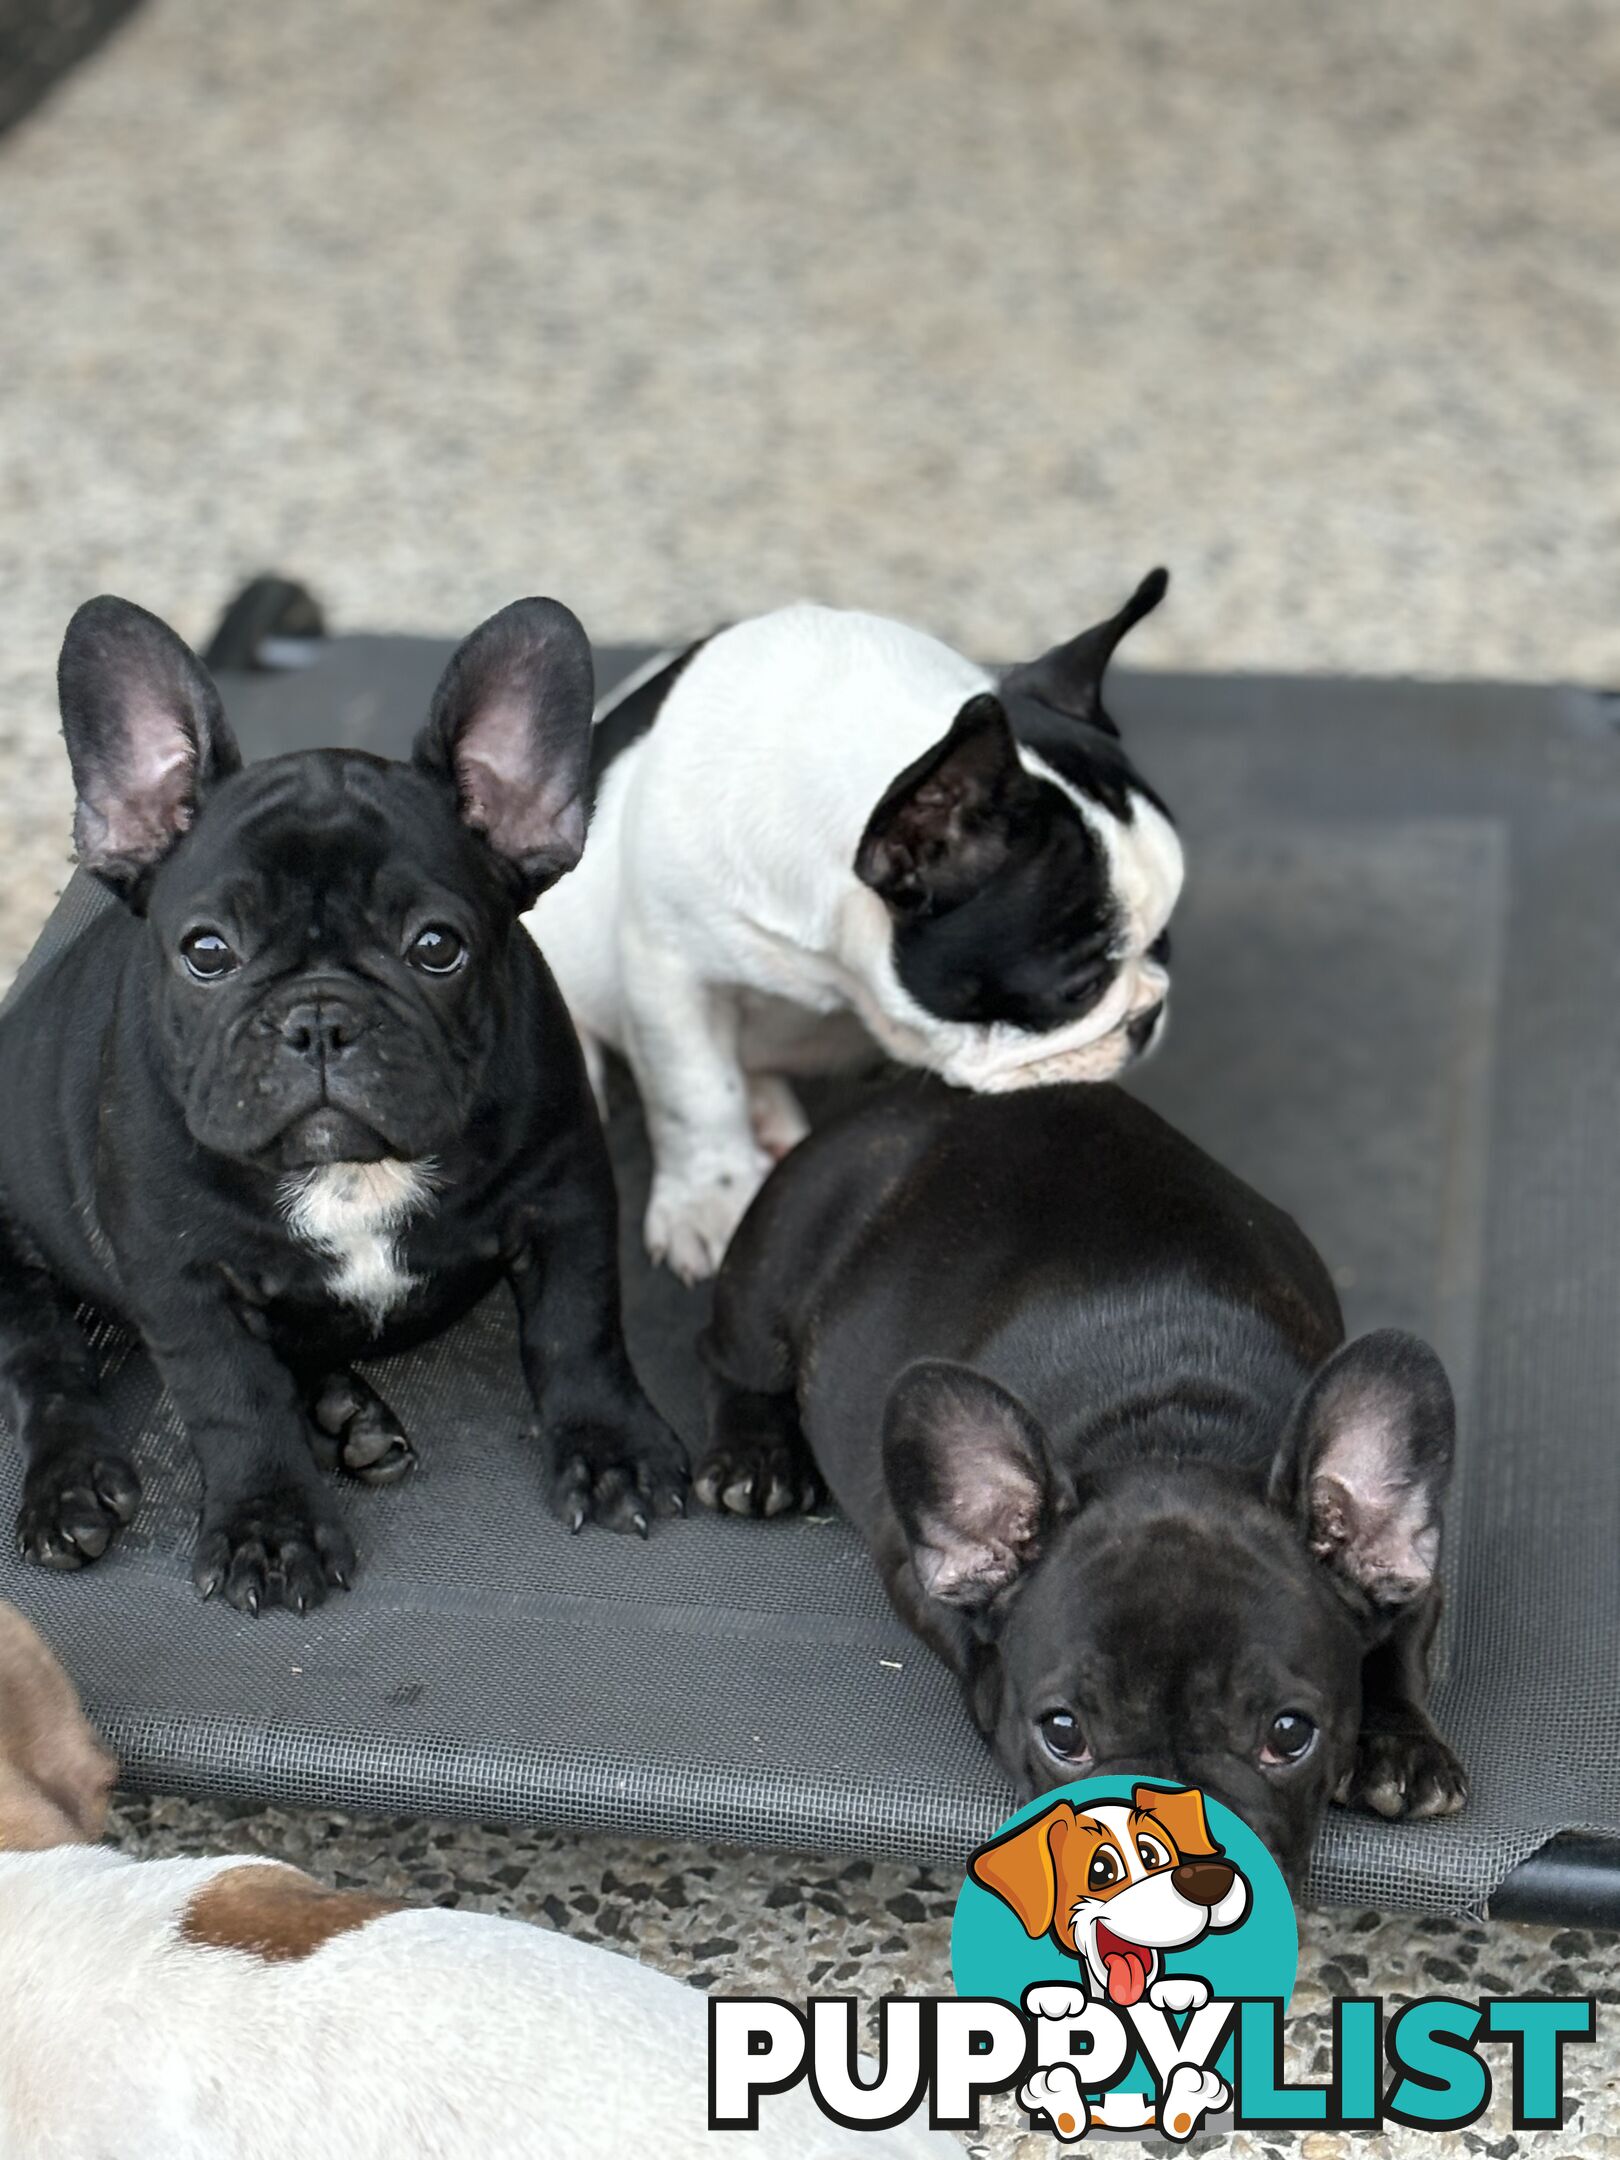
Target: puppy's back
[{"x": 161, "y": 2010}]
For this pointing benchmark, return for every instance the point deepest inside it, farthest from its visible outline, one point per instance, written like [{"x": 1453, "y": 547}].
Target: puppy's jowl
[
  {"x": 820, "y": 835},
  {"x": 305, "y": 1097},
  {"x": 1087, "y": 1398}
]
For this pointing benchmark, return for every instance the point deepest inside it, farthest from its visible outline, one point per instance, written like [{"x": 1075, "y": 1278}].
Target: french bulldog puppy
[
  {"x": 304, "y": 1098},
  {"x": 821, "y": 835},
  {"x": 1088, "y": 1400}
]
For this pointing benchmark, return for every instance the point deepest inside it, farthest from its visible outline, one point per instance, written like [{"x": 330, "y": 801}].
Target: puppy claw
[
  {"x": 276, "y": 1548},
  {"x": 355, "y": 1431},
  {"x": 620, "y": 1478},
  {"x": 1409, "y": 1774},
  {"x": 75, "y": 1501},
  {"x": 762, "y": 1477},
  {"x": 90, "y": 1535}
]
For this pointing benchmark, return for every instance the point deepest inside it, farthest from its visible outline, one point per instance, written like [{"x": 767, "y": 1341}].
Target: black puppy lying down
[
  {"x": 1088, "y": 1400},
  {"x": 304, "y": 1098}
]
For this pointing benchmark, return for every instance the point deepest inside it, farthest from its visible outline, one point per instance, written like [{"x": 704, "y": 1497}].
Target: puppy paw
[
  {"x": 1189, "y": 2096},
  {"x": 690, "y": 1223},
  {"x": 1410, "y": 1773},
  {"x": 1054, "y": 1999},
  {"x": 75, "y": 1501},
  {"x": 775, "y": 1113},
  {"x": 619, "y": 1475},
  {"x": 1057, "y": 2094},
  {"x": 279, "y": 1546},
  {"x": 770, "y": 1476},
  {"x": 1178, "y": 1992},
  {"x": 356, "y": 1431}
]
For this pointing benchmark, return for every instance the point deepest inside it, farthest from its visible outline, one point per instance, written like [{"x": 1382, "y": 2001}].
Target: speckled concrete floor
[{"x": 966, "y": 313}]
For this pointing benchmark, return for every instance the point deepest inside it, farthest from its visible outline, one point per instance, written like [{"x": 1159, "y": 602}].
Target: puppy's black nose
[
  {"x": 1139, "y": 1032},
  {"x": 1204, "y": 1882},
  {"x": 321, "y": 1028}
]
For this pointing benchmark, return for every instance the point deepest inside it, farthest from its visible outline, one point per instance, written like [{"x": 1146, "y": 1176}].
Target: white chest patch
[{"x": 352, "y": 1213}]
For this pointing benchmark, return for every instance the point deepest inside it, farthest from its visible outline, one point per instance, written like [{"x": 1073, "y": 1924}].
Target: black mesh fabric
[{"x": 1396, "y": 1012}]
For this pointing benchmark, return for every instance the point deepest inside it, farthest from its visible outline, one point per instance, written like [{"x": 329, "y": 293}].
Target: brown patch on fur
[{"x": 276, "y": 1913}]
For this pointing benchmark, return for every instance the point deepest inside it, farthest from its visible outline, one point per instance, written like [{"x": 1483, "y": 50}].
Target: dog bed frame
[{"x": 1397, "y": 1011}]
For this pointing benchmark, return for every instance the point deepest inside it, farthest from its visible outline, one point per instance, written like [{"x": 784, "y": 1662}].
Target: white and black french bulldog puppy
[
  {"x": 819, "y": 835},
  {"x": 305, "y": 1097},
  {"x": 1088, "y": 1400}
]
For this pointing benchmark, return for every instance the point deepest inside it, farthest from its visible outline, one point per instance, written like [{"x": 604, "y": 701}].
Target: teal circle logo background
[{"x": 991, "y": 1954}]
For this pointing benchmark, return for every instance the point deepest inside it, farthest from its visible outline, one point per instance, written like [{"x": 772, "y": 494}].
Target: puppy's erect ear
[
  {"x": 1023, "y": 1868},
  {"x": 951, "y": 819},
  {"x": 146, "y": 737},
  {"x": 1180, "y": 1815},
  {"x": 511, "y": 730},
  {"x": 1365, "y": 1464},
  {"x": 967, "y": 1471},
  {"x": 55, "y": 1775},
  {"x": 1069, "y": 678}
]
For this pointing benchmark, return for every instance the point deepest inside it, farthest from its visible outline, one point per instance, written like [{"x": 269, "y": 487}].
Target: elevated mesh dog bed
[
  {"x": 1397, "y": 1011},
  {"x": 43, "y": 40}
]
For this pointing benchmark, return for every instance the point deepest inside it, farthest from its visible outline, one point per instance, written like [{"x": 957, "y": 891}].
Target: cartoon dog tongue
[{"x": 1127, "y": 1965}]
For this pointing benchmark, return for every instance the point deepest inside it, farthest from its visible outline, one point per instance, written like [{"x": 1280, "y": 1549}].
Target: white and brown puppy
[
  {"x": 1120, "y": 1886},
  {"x": 234, "y": 2008},
  {"x": 818, "y": 832}
]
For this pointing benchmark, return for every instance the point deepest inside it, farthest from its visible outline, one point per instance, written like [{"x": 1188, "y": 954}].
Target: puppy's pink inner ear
[
  {"x": 521, "y": 810},
  {"x": 134, "y": 814},
  {"x": 1366, "y": 1518},
  {"x": 989, "y": 1538}
]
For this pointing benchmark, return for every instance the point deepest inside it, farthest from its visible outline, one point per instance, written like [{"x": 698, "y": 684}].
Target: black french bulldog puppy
[
  {"x": 304, "y": 1098},
  {"x": 1087, "y": 1398}
]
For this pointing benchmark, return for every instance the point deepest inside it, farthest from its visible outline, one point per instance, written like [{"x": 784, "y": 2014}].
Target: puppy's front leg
[
  {"x": 611, "y": 1458},
  {"x": 79, "y": 1485},
  {"x": 1402, "y": 1766},
  {"x": 271, "y": 1533},
  {"x": 681, "y": 1040}
]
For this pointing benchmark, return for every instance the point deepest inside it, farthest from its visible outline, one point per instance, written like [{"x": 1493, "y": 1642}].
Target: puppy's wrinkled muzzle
[
  {"x": 321, "y": 1030},
  {"x": 1122, "y": 1027}
]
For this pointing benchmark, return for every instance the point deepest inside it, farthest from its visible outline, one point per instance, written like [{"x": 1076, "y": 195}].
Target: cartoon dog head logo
[{"x": 1118, "y": 1885}]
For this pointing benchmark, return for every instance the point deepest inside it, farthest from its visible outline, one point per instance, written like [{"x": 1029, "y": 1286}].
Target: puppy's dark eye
[
  {"x": 207, "y": 955},
  {"x": 1104, "y": 1870},
  {"x": 1061, "y": 1734},
  {"x": 1290, "y": 1738},
  {"x": 437, "y": 950},
  {"x": 1085, "y": 984}
]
